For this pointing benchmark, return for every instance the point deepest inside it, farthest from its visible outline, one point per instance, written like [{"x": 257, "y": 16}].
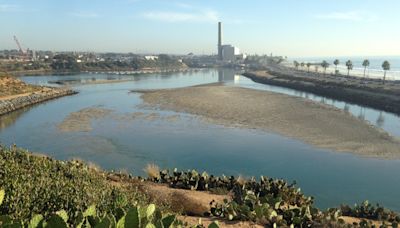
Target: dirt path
[
  {"x": 314, "y": 123},
  {"x": 3, "y": 98},
  {"x": 192, "y": 205}
]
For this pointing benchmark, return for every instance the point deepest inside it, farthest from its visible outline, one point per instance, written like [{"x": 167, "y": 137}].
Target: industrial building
[{"x": 226, "y": 52}]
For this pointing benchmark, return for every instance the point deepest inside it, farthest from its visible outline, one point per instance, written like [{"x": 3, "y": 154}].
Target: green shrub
[
  {"x": 368, "y": 211},
  {"x": 135, "y": 217},
  {"x": 270, "y": 202},
  {"x": 37, "y": 191},
  {"x": 41, "y": 185}
]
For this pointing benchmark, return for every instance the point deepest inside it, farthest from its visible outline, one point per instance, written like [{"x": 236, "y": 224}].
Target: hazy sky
[{"x": 284, "y": 27}]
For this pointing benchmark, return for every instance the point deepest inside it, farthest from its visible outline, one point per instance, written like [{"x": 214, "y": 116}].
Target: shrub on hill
[{"x": 42, "y": 185}]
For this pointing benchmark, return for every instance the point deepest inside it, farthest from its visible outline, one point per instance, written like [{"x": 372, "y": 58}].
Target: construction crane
[
  {"x": 19, "y": 45},
  {"x": 23, "y": 53}
]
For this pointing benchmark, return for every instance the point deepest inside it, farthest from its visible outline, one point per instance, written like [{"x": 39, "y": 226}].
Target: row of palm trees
[{"x": 349, "y": 65}]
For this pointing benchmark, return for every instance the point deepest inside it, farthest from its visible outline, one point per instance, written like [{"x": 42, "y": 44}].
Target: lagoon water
[{"x": 188, "y": 142}]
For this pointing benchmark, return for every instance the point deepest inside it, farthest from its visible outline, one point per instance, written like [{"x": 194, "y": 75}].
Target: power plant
[
  {"x": 220, "y": 57},
  {"x": 227, "y": 53}
]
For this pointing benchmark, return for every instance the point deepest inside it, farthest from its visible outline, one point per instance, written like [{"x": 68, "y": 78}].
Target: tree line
[
  {"x": 62, "y": 62},
  {"x": 349, "y": 65}
]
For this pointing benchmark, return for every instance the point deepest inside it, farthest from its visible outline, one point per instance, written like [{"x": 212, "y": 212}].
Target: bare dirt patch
[
  {"x": 11, "y": 87},
  {"x": 314, "y": 123}
]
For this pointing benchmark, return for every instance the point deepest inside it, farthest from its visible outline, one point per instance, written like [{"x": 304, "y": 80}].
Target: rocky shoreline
[
  {"x": 10, "y": 105},
  {"x": 377, "y": 98}
]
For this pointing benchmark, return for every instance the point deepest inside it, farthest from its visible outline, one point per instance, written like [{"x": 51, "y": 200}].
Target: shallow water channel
[{"x": 130, "y": 135}]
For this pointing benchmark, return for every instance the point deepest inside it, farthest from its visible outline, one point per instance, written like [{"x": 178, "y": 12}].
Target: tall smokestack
[{"x": 220, "y": 40}]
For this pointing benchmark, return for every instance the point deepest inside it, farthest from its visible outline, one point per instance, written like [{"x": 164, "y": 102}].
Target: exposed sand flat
[
  {"x": 314, "y": 123},
  {"x": 82, "y": 119}
]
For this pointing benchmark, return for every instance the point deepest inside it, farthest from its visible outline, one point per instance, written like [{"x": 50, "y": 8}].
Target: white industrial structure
[
  {"x": 227, "y": 52},
  {"x": 151, "y": 57}
]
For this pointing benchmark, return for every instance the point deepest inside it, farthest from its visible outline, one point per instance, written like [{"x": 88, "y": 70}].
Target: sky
[{"x": 291, "y": 28}]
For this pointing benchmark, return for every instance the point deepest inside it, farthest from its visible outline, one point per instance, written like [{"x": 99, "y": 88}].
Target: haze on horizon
[{"x": 287, "y": 27}]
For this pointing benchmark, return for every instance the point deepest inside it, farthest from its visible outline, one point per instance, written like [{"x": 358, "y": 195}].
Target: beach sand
[{"x": 317, "y": 124}]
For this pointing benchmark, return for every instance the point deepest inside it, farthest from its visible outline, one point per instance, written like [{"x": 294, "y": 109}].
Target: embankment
[
  {"x": 18, "y": 102},
  {"x": 368, "y": 93}
]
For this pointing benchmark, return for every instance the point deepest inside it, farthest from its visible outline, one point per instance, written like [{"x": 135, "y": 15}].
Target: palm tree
[
  {"x": 308, "y": 66},
  {"x": 325, "y": 65},
  {"x": 365, "y": 65},
  {"x": 386, "y": 67},
  {"x": 336, "y": 63},
  {"x": 302, "y": 64},
  {"x": 296, "y": 64},
  {"x": 349, "y": 65}
]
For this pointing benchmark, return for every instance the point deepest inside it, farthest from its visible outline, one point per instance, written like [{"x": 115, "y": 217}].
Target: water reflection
[
  {"x": 346, "y": 108},
  {"x": 381, "y": 120},
  {"x": 226, "y": 75},
  {"x": 10, "y": 119},
  {"x": 361, "y": 115}
]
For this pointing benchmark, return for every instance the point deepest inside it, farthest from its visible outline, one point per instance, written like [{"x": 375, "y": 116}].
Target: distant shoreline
[
  {"x": 99, "y": 71},
  {"x": 371, "y": 93}
]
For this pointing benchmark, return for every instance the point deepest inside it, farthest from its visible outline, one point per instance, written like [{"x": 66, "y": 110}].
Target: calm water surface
[{"x": 116, "y": 143}]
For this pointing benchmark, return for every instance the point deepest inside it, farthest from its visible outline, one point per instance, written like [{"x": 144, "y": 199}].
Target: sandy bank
[{"x": 314, "y": 123}]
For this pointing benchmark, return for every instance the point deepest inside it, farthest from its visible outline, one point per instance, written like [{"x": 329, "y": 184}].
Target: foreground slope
[{"x": 34, "y": 187}]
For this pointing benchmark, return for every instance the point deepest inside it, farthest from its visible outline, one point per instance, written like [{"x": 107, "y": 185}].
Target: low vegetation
[
  {"x": 24, "y": 66},
  {"x": 269, "y": 202},
  {"x": 41, "y": 185},
  {"x": 367, "y": 211},
  {"x": 70, "y": 63},
  {"x": 11, "y": 86},
  {"x": 38, "y": 191}
]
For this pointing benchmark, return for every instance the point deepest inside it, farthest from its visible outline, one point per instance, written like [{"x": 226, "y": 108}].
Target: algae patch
[{"x": 81, "y": 121}]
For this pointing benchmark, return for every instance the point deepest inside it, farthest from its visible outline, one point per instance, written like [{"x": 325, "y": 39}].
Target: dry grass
[
  {"x": 152, "y": 170},
  {"x": 241, "y": 180},
  {"x": 10, "y": 86},
  {"x": 94, "y": 166}
]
